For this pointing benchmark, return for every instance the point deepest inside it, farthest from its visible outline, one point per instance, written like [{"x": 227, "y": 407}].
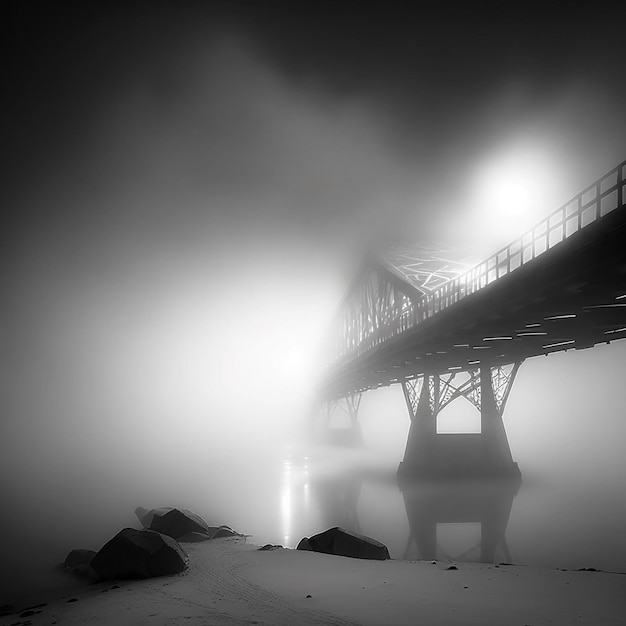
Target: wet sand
[{"x": 230, "y": 582}]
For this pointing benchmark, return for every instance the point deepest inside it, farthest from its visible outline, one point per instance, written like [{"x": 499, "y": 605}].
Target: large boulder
[
  {"x": 182, "y": 524},
  {"x": 345, "y": 543},
  {"x": 173, "y": 522},
  {"x": 139, "y": 554},
  {"x": 178, "y": 522}
]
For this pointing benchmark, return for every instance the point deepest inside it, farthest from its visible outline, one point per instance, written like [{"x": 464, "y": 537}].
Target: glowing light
[
  {"x": 285, "y": 502},
  {"x": 559, "y": 343},
  {"x": 513, "y": 189},
  {"x": 561, "y": 317}
]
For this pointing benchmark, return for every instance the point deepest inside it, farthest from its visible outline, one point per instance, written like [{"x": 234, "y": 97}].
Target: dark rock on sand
[
  {"x": 214, "y": 532},
  {"x": 78, "y": 557},
  {"x": 304, "y": 544},
  {"x": 182, "y": 524},
  {"x": 78, "y": 563},
  {"x": 178, "y": 522},
  {"x": 172, "y": 522},
  {"x": 271, "y": 546},
  {"x": 223, "y": 531},
  {"x": 139, "y": 554},
  {"x": 345, "y": 543}
]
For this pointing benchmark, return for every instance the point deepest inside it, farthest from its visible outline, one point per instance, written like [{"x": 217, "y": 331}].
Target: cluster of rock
[
  {"x": 155, "y": 550},
  {"x": 152, "y": 551}
]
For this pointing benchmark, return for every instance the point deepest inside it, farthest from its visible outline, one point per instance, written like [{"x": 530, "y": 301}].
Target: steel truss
[
  {"x": 374, "y": 305},
  {"x": 442, "y": 390},
  {"x": 403, "y": 286},
  {"x": 381, "y": 302},
  {"x": 349, "y": 405}
]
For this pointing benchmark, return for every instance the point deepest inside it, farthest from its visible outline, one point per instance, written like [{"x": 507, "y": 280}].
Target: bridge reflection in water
[
  {"x": 437, "y": 519},
  {"x": 487, "y": 503}
]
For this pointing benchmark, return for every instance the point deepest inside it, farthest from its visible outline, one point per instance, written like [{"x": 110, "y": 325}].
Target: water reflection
[
  {"x": 543, "y": 521},
  {"x": 461, "y": 520},
  {"x": 454, "y": 511},
  {"x": 313, "y": 499}
]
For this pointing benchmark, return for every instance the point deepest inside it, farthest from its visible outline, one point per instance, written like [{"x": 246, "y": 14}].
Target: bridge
[{"x": 424, "y": 319}]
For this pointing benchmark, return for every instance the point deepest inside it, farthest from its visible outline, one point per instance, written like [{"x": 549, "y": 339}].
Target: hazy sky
[{"x": 189, "y": 186}]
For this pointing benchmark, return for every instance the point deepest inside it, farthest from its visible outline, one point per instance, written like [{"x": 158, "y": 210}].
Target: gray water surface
[{"x": 546, "y": 521}]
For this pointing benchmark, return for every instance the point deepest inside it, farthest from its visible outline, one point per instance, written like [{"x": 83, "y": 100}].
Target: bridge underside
[
  {"x": 573, "y": 297},
  {"x": 561, "y": 285}
]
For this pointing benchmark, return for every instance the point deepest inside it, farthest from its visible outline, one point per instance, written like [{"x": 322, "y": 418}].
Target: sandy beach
[{"x": 231, "y": 581}]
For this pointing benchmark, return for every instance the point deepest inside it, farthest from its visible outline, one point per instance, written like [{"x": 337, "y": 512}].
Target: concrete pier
[{"x": 429, "y": 454}]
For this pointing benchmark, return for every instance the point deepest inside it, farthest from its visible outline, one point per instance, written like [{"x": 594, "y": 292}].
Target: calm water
[{"x": 547, "y": 521}]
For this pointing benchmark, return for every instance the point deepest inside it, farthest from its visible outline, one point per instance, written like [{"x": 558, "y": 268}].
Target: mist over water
[{"x": 179, "y": 234}]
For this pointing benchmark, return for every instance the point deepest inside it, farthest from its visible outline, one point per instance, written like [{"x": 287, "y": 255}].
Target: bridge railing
[
  {"x": 587, "y": 207},
  {"x": 590, "y": 205}
]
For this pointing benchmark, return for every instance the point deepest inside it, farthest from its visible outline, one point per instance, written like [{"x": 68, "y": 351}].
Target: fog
[{"x": 176, "y": 244}]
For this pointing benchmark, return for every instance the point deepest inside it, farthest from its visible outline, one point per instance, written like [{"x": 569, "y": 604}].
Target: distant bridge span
[{"x": 444, "y": 330}]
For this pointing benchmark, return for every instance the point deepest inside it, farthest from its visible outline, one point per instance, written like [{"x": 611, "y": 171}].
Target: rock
[
  {"x": 145, "y": 515},
  {"x": 304, "y": 544},
  {"x": 78, "y": 557},
  {"x": 78, "y": 562},
  {"x": 139, "y": 554},
  {"x": 452, "y": 567},
  {"x": 223, "y": 531},
  {"x": 181, "y": 524},
  {"x": 178, "y": 522},
  {"x": 271, "y": 546},
  {"x": 214, "y": 532},
  {"x": 345, "y": 543}
]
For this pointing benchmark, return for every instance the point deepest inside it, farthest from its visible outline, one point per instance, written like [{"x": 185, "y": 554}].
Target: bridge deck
[{"x": 570, "y": 295}]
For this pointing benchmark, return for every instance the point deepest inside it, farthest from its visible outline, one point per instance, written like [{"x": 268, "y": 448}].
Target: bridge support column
[
  {"x": 459, "y": 455},
  {"x": 341, "y": 434},
  {"x": 420, "y": 395},
  {"x": 496, "y": 450}
]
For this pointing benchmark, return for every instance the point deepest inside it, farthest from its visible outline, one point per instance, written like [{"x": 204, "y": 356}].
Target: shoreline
[{"x": 230, "y": 581}]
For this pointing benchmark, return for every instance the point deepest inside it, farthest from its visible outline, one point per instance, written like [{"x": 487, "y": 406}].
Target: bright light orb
[{"x": 512, "y": 190}]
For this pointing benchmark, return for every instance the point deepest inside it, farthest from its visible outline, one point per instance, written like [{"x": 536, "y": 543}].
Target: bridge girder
[{"x": 560, "y": 286}]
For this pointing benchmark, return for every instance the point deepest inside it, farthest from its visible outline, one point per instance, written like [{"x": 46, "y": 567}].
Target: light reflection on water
[{"x": 535, "y": 523}]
